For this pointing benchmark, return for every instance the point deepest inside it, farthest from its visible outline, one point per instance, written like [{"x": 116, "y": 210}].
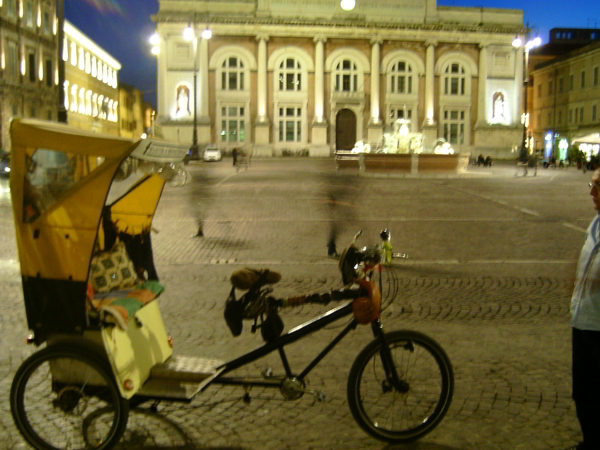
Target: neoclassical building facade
[{"x": 292, "y": 75}]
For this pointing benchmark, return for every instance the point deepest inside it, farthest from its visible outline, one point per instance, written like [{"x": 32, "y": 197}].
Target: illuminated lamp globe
[{"x": 348, "y": 5}]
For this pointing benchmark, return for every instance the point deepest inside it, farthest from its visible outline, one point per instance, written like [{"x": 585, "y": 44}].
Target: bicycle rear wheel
[
  {"x": 65, "y": 398},
  {"x": 394, "y": 414}
]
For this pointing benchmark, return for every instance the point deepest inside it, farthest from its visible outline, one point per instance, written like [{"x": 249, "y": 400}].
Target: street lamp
[
  {"x": 189, "y": 34},
  {"x": 517, "y": 43}
]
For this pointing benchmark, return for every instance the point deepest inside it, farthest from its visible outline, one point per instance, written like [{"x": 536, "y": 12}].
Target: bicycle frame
[{"x": 292, "y": 336}]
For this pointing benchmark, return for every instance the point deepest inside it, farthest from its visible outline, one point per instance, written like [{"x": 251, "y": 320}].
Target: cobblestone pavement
[{"x": 489, "y": 276}]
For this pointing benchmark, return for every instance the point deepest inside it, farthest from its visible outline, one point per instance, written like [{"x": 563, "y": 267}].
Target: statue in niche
[
  {"x": 183, "y": 101},
  {"x": 498, "y": 107}
]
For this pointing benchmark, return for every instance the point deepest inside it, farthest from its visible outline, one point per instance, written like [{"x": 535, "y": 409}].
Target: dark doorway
[{"x": 345, "y": 130}]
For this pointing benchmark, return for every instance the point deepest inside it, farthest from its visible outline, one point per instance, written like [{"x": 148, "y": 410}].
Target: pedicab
[{"x": 83, "y": 207}]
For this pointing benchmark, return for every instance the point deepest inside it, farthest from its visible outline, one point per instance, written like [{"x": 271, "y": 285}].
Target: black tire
[
  {"x": 393, "y": 416},
  {"x": 67, "y": 398}
]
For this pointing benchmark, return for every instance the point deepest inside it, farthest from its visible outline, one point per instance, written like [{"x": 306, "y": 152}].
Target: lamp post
[
  {"x": 189, "y": 34},
  {"x": 517, "y": 42}
]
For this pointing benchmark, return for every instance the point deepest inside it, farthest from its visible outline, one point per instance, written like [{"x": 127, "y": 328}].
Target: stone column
[
  {"x": 319, "y": 145},
  {"x": 262, "y": 119},
  {"x": 161, "y": 82},
  {"x": 430, "y": 130},
  {"x": 482, "y": 117},
  {"x": 519, "y": 92},
  {"x": 319, "y": 78},
  {"x": 430, "y": 83},
  {"x": 204, "y": 122},
  {"x": 375, "y": 126}
]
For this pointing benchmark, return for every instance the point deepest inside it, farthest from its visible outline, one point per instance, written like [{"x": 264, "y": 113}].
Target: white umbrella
[{"x": 593, "y": 138}]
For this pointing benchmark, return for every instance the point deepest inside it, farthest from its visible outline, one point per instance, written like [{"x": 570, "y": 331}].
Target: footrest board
[{"x": 181, "y": 377}]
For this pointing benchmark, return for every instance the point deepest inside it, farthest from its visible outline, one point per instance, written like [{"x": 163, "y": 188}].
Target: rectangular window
[
  {"x": 12, "y": 65},
  {"x": 10, "y": 7},
  {"x": 594, "y": 111},
  {"x": 571, "y": 82},
  {"x": 232, "y": 124},
  {"x": 454, "y": 86},
  {"x": 550, "y": 91},
  {"x": 290, "y": 124},
  {"x": 561, "y": 85},
  {"x": 596, "y": 76},
  {"x": 581, "y": 115},
  {"x": 346, "y": 83},
  {"x": 49, "y": 73},
  {"x": 539, "y": 90},
  {"x": 582, "y": 79},
  {"x": 46, "y": 22},
  {"x": 29, "y": 14},
  {"x": 454, "y": 126},
  {"x": 31, "y": 67}
]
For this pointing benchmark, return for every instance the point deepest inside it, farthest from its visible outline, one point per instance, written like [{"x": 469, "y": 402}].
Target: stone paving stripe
[
  {"x": 225, "y": 179},
  {"x": 529, "y": 211},
  {"x": 574, "y": 227}
]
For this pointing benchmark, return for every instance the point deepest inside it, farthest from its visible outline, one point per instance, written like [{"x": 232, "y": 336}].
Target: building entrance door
[{"x": 345, "y": 130}]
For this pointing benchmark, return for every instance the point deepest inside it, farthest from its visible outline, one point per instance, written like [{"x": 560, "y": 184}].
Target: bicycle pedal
[{"x": 320, "y": 396}]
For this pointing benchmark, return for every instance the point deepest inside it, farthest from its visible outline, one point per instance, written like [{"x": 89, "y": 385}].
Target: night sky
[{"x": 122, "y": 28}]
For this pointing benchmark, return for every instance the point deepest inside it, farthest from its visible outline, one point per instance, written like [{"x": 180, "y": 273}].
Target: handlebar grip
[{"x": 323, "y": 299}]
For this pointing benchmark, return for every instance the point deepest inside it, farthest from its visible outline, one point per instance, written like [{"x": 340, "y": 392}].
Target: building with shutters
[
  {"x": 294, "y": 75},
  {"x": 28, "y": 62}
]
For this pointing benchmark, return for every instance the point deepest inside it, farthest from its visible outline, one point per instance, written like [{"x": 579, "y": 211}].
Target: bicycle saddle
[{"x": 247, "y": 278}]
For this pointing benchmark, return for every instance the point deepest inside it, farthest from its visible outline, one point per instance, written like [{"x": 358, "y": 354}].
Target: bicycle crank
[{"x": 293, "y": 388}]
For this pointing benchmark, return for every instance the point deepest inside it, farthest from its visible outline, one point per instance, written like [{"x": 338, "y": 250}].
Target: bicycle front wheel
[
  {"x": 403, "y": 410},
  {"x": 64, "y": 398}
]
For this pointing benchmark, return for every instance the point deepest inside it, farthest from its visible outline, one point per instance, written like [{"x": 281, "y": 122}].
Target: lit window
[
  {"x": 74, "y": 98},
  {"x": 233, "y": 124},
  {"x": 73, "y": 54},
  {"x": 94, "y": 105},
  {"x": 81, "y": 101},
  {"x": 81, "y": 59},
  {"x": 88, "y": 103}
]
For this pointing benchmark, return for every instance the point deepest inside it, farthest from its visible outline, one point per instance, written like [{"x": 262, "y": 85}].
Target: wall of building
[
  {"x": 91, "y": 84},
  {"x": 479, "y": 112},
  {"x": 28, "y": 62},
  {"x": 565, "y": 97}
]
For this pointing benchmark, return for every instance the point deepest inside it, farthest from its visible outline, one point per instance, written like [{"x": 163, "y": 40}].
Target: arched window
[
  {"x": 401, "y": 78},
  {"x": 454, "y": 79},
  {"x": 74, "y": 91},
  {"x": 232, "y": 74},
  {"x": 290, "y": 75},
  {"x": 81, "y": 108},
  {"x": 346, "y": 76}
]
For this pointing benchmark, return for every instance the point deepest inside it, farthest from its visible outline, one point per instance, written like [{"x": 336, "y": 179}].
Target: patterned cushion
[{"x": 112, "y": 270}]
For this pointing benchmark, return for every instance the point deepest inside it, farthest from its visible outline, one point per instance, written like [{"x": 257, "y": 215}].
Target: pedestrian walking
[
  {"x": 585, "y": 322},
  {"x": 234, "y": 153}
]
